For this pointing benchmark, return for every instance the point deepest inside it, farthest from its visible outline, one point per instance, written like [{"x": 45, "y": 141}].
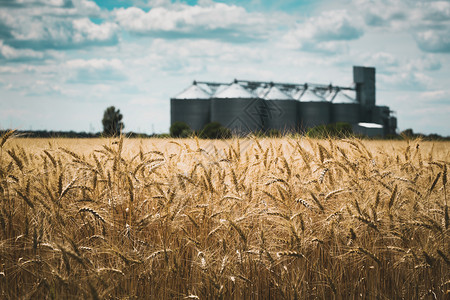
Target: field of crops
[{"x": 238, "y": 219}]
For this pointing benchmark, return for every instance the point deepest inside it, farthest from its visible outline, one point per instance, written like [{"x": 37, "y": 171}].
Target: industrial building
[{"x": 250, "y": 106}]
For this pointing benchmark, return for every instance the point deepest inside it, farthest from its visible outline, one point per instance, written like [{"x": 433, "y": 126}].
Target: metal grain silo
[
  {"x": 313, "y": 110},
  {"x": 192, "y": 106},
  {"x": 238, "y": 109},
  {"x": 380, "y": 114},
  {"x": 281, "y": 111},
  {"x": 345, "y": 109},
  {"x": 392, "y": 125}
]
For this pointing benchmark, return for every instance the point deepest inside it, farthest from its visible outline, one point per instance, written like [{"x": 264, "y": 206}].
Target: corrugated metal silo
[
  {"x": 192, "y": 106},
  {"x": 345, "y": 109},
  {"x": 237, "y": 109},
  {"x": 380, "y": 114},
  {"x": 392, "y": 125},
  {"x": 313, "y": 110},
  {"x": 281, "y": 111}
]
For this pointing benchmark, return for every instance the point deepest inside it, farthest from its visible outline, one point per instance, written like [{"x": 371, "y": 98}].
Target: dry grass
[{"x": 241, "y": 219}]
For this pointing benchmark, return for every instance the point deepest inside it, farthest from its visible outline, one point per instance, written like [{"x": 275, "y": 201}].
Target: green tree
[
  {"x": 180, "y": 130},
  {"x": 318, "y": 132},
  {"x": 335, "y": 130},
  {"x": 340, "y": 130},
  {"x": 215, "y": 130},
  {"x": 112, "y": 122}
]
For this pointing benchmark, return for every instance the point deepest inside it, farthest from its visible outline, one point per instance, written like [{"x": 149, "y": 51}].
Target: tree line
[{"x": 114, "y": 126}]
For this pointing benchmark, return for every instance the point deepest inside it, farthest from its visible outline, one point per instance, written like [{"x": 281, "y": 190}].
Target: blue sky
[{"x": 62, "y": 62}]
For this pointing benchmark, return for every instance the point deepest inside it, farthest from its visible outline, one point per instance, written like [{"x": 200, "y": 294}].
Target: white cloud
[
  {"x": 384, "y": 13},
  {"x": 22, "y": 3},
  {"x": 94, "y": 63},
  {"x": 326, "y": 32},
  {"x": 402, "y": 73},
  {"x": 95, "y": 71},
  {"x": 56, "y": 24},
  {"x": 194, "y": 58},
  {"x": 404, "y": 80},
  {"x": 41, "y": 87},
  {"x": 434, "y": 40},
  {"x": 383, "y": 60},
  {"x": 152, "y": 3},
  {"x": 10, "y": 53},
  {"x": 86, "y": 31},
  {"x": 52, "y": 7},
  {"x": 427, "y": 21},
  {"x": 435, "y": 11},
  {"x": 86, "y": 8},
  {"x": 424, "y": 63},
  {"x": 437, "y": 96},
  {"x": 59, "y": 33},
  {"x": 17, "y": 69},
  {"x": 214, "y": 21}
]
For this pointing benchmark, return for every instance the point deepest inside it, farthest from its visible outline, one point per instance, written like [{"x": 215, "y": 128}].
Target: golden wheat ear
[{"x": 7, "y": 135}]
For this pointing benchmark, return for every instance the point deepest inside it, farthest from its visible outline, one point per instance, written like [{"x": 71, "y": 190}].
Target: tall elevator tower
[{"x": 364, "y": 78}]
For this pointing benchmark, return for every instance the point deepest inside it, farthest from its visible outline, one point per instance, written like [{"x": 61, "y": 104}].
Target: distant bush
[
  {"x": 215, "y": 130},
  {"x": 317, "y": 132},
  {"x": 341, "y": 129},
  {"x": 53, "y": 134},
  {"x": 407, "y": 133},
  {"x": 180, "y": 130},
  {"x": 273, "y": 133},
  {"x": 336, "y": 130}
]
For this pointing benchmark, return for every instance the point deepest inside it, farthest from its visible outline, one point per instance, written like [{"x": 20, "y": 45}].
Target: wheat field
[{"x": 288, "y": 218}]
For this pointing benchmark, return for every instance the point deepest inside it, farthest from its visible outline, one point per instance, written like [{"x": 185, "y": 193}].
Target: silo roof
[
  {"x": 206, "y": 87},
  {"x": 297, "y": 93},
  {"x": 342, "y": 97},
  {"x": 220, "y": 89},
  {"x": 261, "y": 90},
  {"x": 275, "y": 94},
  {"x": 193, "y": 92},
  {"x": 310, "y": 96},
  {"x": 329, "y": 95},
  {"x": 235, "y": 91}
]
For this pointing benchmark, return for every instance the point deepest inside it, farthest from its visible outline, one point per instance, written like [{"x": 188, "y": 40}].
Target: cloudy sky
[{"x": 62, "y": 62}]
